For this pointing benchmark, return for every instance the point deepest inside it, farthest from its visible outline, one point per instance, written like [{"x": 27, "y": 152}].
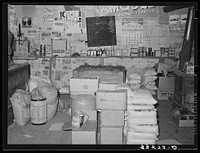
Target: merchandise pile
[
  {"x": 141, "y": 123},
  {"x": 141, "y": 118}
]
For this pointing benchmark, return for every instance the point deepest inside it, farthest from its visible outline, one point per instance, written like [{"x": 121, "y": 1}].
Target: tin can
[{"x": 77, "y": 120}]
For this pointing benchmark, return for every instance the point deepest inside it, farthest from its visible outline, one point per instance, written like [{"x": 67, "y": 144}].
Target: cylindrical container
[
  {"x": 77, "y": 120},
  {"x": 38, "y": 109}
]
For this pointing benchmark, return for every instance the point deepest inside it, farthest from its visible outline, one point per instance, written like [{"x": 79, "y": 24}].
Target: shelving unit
[{"x": 32, "y": 58}]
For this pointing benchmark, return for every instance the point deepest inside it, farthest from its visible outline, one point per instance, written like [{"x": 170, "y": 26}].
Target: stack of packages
[
  {"x": 141, "y": 118},
  {"x": 83, "y": 101},
  {"x": 134, "y": 80},
  {"x": 111, "y": 105},
  {"x": 148, "y": 80}
]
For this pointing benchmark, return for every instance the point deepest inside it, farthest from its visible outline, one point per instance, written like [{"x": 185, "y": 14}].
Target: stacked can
[{"x": 171, "y": 52}]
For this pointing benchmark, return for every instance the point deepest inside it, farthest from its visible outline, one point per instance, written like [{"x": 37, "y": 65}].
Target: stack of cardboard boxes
[
  {"x": 85, "y": 88},
  {"x": 111, "y": 105}
]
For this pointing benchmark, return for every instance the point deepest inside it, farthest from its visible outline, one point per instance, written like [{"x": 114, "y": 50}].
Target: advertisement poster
[
  {"x": 73, "y": 22},
  {"x": 58, "y": 24},
  {"x": 125, "y": 10},
  {"x": 48, "y": 15},
  {"x": 183, "y": 21},
  {"x": 66, "y": 64},
  {"x": 132, "y": 24},
  {"x": 174, "y": 22}
]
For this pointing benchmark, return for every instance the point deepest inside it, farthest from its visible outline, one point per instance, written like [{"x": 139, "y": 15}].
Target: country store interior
[{"x": 121, "y": 75}]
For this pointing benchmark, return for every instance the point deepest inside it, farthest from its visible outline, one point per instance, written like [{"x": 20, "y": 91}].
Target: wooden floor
[{"x": 40, "y": 134}]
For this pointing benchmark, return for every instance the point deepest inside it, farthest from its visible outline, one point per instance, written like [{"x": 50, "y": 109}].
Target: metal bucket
[{"x": 38, "y": 109}]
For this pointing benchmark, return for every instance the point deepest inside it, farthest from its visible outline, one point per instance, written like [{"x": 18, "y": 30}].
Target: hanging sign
[{"x": 124, "y": 10}]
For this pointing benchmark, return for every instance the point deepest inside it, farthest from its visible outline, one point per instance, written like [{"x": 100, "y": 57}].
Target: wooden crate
[{"x": 106, "y": 75}]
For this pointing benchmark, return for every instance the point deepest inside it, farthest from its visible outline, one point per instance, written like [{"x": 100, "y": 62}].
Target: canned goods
[{"x": 77, "y": 120}]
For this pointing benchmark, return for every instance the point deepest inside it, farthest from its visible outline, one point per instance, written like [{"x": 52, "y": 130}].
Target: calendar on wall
[
  {"x": 132, "y": 24},
  {"x": 132, "y": 31},
  {"x": 132, "y": 38}
]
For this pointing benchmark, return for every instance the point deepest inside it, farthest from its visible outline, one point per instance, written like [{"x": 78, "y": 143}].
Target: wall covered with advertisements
[{"x": 136, "y": 26}]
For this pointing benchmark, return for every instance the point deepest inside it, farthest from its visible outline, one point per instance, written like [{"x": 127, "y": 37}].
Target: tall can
[{"x": 38, "y": 111}]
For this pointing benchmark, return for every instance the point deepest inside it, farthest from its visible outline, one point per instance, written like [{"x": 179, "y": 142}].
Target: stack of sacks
[
  {"x": 148, "y": 80},
  {"x": 141, "y": 118},
  {"x": 134, "y": 80}
]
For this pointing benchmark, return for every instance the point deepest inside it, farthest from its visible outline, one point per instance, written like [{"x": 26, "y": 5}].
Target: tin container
[
  {"x": 38, "y": 111},
  {"x": 77, "y": 120}
]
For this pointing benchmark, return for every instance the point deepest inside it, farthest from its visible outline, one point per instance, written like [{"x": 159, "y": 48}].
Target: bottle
[{"x": 100, "y": 52}]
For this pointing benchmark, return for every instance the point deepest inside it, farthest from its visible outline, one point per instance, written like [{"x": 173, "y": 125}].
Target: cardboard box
[
  {"x": 107, "y": 86},
  {"x": 73, "y": 93},
  {"x": 111, "y": 135},
  {"x": 106, "y": 74},
  {"x": 164, "y": 94},
  {"x": 114, "y": 100},
  {"x": 166, "y": 83},
  {"x": 86, "y": 134},
  {"x": 160, "y": 67},
  {"x": 189, "y": 69},
  {"x": 111, "y": 118},
  {"x": 186, "y": 123},
  {"x": 84, "y": 85}
]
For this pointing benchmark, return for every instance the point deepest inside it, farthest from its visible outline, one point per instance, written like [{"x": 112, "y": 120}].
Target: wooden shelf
[
  {"x": 24, "y": 58},
  {"x": 174, "y": 58}
]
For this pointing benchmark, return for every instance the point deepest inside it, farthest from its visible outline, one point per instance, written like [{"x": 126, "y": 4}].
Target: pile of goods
[
  {"x": 143, "y": 78},
  {"x": 141, "y": 118},
  {"x": 106, "y": 74},
  {"x": 39, "y": 98}
]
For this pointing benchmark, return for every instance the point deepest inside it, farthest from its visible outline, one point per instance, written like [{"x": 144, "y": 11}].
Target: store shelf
[
  {"x": 24, "y": 58},
  {"x": 174, "y": 58}
]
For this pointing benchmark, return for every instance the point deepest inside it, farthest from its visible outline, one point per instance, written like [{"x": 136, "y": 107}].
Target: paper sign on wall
[{"x": 58, "y": 24}]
